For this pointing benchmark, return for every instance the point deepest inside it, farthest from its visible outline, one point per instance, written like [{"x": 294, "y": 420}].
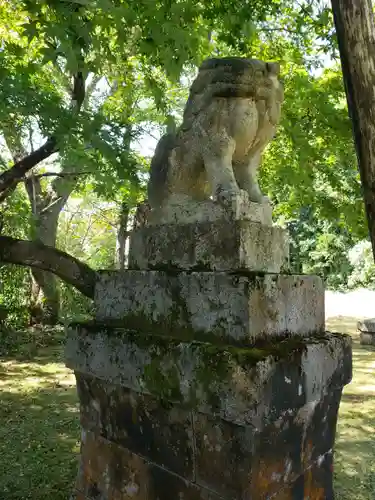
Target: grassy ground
[
  {"x": 39, "y": 432},
  {"x": 355, "y": 442}
]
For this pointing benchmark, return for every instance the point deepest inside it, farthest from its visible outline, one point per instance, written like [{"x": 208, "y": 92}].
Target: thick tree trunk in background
[
  {"x": 46, "y": 207},
  {"x": 141, "y": 215},
  {"x": 122, "y": 236},
  {"x": 355, "y": 28},
  {"x": 37, "y": 255}
]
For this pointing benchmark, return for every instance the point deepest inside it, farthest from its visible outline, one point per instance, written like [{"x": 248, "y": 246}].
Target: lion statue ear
[{"x": 273, "y": 68}]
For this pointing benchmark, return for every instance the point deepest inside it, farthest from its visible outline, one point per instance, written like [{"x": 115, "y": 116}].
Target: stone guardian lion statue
[{"x": 231, "y": 114}]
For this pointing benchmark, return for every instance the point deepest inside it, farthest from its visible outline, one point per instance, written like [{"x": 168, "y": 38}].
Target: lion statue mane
[{"x": 230, "y": 116}]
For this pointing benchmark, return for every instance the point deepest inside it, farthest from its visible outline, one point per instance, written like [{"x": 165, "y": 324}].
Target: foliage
[
  {"x": 363, "y": 268},
  {"x": 319, "y": 246},
  {"x": 310, "y": 173},
  {"x": 87, "y": 230},
  {"x": 14, "y": 280}
]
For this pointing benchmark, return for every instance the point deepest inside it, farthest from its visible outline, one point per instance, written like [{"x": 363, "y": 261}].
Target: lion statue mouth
[{"x": 231, "y": 115}]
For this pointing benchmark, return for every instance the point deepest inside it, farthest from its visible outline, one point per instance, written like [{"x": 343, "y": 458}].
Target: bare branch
[
  {"x": 59, "y": 174},
  {"x": 39, "y": 256},
  {"x": 17, "y": 172}
]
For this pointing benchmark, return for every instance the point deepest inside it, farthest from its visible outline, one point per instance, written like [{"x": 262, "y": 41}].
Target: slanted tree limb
[
  {"x": 39, "y": 256},
  {"x": 16, "y": 173},
  {"x": 355, "y": 29}
]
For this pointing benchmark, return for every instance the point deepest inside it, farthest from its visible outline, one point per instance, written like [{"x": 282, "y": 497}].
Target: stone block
[
  {"x": 239, "y": 461},
  {"x": 367, "y": 331},
  {"x": 237, "y": 208},
  {"x": 111, "y": 472},
  {"x": 161, "y": 434},
  {"x": 315, "y": 483},
  {"x": 367, "y": 338},
  {"x": 239, "y": 308},
  {"x": 221, "y": 246},
  {"x": 241, "y": 385},
  {"x": 366, "y": 325}
]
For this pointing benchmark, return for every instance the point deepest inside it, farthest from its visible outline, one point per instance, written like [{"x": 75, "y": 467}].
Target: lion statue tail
[{"x": 157, "y": 189}]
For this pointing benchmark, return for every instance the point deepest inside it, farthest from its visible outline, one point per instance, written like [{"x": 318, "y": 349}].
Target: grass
[
  {"x": 355, "y": 441},
  {"x": 39, "y": 431}
]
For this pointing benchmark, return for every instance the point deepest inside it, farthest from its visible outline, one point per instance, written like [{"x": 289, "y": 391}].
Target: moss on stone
[{"x": 212, "y": 364}]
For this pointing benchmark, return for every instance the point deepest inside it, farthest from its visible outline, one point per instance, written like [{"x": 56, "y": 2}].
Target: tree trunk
[
  {"x": 354, "y": 21},
  {"x": 37, "y": 255},
  {"x": 122, "y": 236},
  {"x": 46, "y": 207},
  {"x": 141, "y": 215},
  {"x": 45, "y": 296}
]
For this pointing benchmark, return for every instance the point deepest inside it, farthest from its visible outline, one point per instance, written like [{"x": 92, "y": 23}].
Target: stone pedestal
[
  {"x": 367, "y": 331},
  {"x": 208, "y": 373}
]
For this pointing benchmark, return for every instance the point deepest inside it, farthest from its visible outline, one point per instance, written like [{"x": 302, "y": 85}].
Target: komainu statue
[{"x": 230, "y": 116}]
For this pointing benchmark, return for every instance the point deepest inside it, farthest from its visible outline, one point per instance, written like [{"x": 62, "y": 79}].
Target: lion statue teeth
[{"x": 231, "y": 115}]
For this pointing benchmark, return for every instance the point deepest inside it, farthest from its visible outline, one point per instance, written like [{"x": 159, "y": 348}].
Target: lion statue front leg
[
  {"x": 247, "y": 179},
  {"x": 217, "y": 154}
]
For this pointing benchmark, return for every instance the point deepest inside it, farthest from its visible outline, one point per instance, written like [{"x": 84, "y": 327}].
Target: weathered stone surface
[
  {"x": 237, "y": 208},
  {"x": 367, "y": 331},
  {"x": 367, "y": 338},
  {"x": 366, "y": 325},
  {"x": 245, "y": 423},
  {"x": 111, "y": 472},
  {"x": 230, "y": 117},
  {"x": 241, "y": 385},
  {"x": 244, "y": 461},
  {"x": 138, "y": 422},
  {"x": 219, "y": 246},
  {"x": 315, "y": 483},
  {"x": 239, "y": 308}
]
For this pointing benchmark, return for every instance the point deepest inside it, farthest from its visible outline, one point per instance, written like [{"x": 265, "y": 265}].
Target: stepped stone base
[
  {"x": 239, "y": 307},
  {"x": 164, "y": 419}
]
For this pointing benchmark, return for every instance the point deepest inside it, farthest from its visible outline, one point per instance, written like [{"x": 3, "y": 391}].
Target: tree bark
[
  {"x": 37, "y": 255},
  {"x": 46, "y": 206},
  {"x": 122, "y": 236},
  {"x": 11, "y": 177},
  {"x": 355, "y": 28}
]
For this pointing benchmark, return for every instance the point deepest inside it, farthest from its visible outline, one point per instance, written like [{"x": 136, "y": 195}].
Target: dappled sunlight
[
  {"x": 39, "y": 441},
  {"x": 21, "y": 377},
  {"x": 355, "y": 442}
]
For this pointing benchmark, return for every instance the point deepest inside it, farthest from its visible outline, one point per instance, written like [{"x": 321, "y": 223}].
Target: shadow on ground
[
  {"x": 39, "y": 431},
  {"x": 355, "y": 442}
]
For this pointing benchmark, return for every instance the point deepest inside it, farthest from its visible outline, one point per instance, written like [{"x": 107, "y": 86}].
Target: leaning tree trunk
[
  {"x": 355, "y": 28},
  {"x": 46, "y": 207}
]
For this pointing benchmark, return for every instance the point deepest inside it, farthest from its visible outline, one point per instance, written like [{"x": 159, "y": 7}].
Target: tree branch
[
  {"x": 17, "y": 172},
  {"x": 59, "y": 174},
  {"x": 37, "y": 255}
]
